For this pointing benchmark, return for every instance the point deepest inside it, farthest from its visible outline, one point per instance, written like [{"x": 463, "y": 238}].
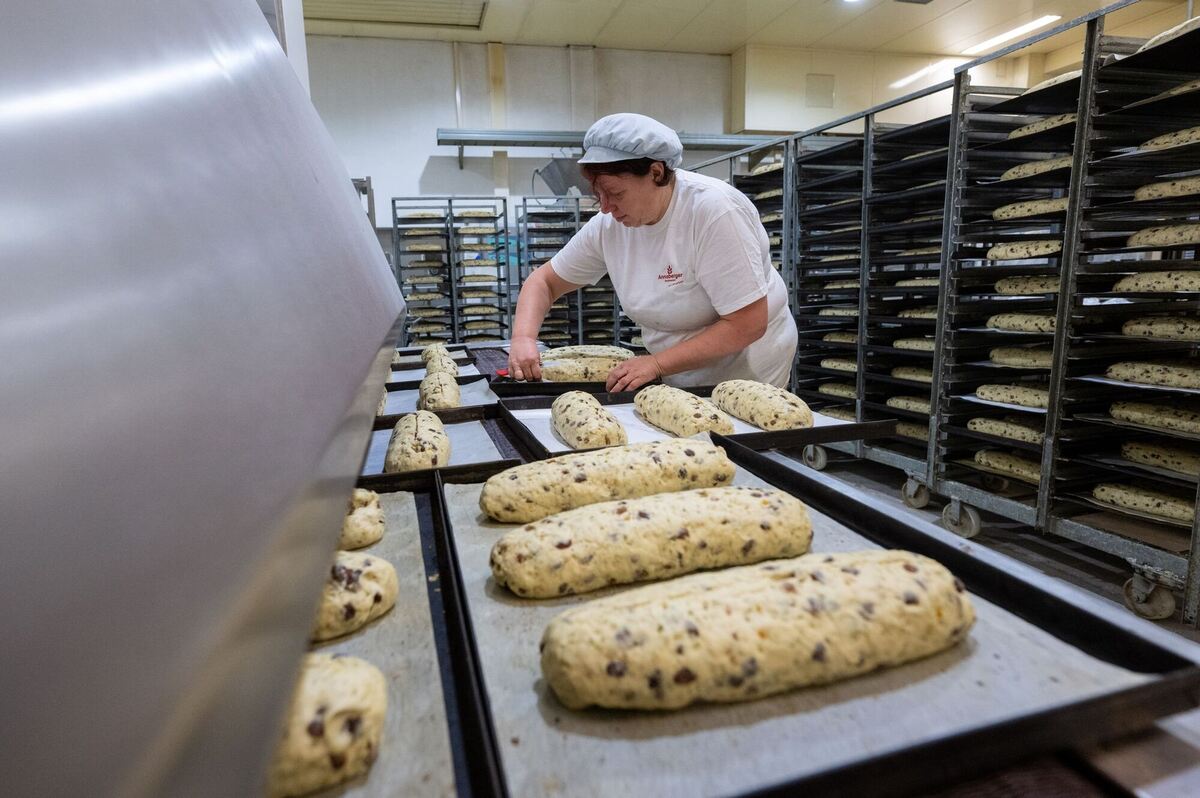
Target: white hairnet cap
[{"x": 625, "y": 137}]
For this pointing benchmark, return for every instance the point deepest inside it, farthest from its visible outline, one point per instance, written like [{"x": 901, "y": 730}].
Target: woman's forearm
[{"x": 533, "y": 303}]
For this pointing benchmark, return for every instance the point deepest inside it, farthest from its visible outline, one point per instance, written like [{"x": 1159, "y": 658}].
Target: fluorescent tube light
[
  {"x": 936, "y": 66},
  {"x": 1008, "y": 36}
]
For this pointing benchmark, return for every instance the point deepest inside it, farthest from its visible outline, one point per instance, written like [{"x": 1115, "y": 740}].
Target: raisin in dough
[
  {"x": 1015, "y": 466},
  {"x": 360, "y": 587},
  {"x": 1165, "y": 373},
  {"x": 1006, "y": 428},
  {"x": 679, "y": 412},
  {"x": 1172, "y": 458},
  {"x": 334, "y": 726},
  {"x": 418, "y": 441},
  {"x": 1022, "y": 322},
  {"x": 1022, "y": 395},
  {"x": 1167, "y": 328},
  {"x": 1157, "y": 416},
  {"x": 363, "y": 524},
  {"x": 1020, "y": 250},
  {"x": 1141, "y": 500},
  {"x": 532, "y": 491},
  {"x": 1020, "y": 210},
  {"x": 583, "y": 423},
  {"x": 754, "y": 631},
  {"x": 1151, "y": 282},
  {"x": 1018, "y": 286},
  {"x": 651, "y": 538},
  {"x": 765, "y": 406}
]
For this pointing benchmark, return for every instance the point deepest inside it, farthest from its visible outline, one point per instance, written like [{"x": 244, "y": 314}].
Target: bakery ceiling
[
  {"x": 424, "y": 13},
  {"x": 947, "y": 27}
]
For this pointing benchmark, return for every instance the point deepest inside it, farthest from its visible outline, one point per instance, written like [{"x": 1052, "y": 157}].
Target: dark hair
[{"x": 639, "y": 167}]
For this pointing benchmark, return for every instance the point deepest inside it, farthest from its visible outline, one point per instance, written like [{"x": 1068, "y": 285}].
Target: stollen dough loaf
[
  {"x": 1172, "y": 458},
  {"x": 579, "y": 369},
  {"x": 913, "y": 373},
  {"x": 477, "y": 229},
  {"x": 1158, "y": 416},
  {"x": 1179, "y": 187},
  {"x": 363, "y": 524},
  {"x": 418, "y": 441},
  {"x": 1171, "y": 33},
  {"x": 679, "y": 412},
  {"x": 1018, "y": 250},
  {"x": 1054, "y": 81},
  {"x": 434, "y": 350},
  {"x": 381, "y": 408},
  {"x": 1036, "y": 168},
  {"x": 1039, "y": 357},
  {"x": 838, "y": 312},
  {"x": 531, "y": 491},
  {"x": 477, "y": 213},
  {"x": 477, "y": 278},
  {"x": 748, "y": 632},
  {"x": 651, "y": 538},
  {"x": 920, "y": 251},
  {"x": 333, "y": 728},
  {"x": 423, "y": 279},
  {"x": 1023, "y": 395},
  {"x": 1168, "y": 328},
  {"x": 1022, "y": 322},
  {"x": 428, "y": 313},
  {"x": 907, "y": 429},
  {"x": 425, "y": 215},
  {"x": 1169, "y": 235},
  {"x": 916, "y": 344},
  {"x": 763, "y": 169},
  {"x": 833, "y": 258},
  {"x": 840, "y": 338},
  {"x": 1141, "y": 500},
  {"x": 839, "y": 364},
  {"x": 928, "y": 312},
  {"x": 425, "y": 296},
  {"x": 480, "y": 325},
  {"x": 1150, "y": 282},
  {"x": 441, "y": 362},
  {"x": 1017, "y": 286},
  {"x": 1006, "y": 428},
  {"x": 1049, "y": 123},
  {"x": 765, "y": 406},
  {"x": 840, "y": 413},
  {"x": 1019, "y": 210},
  {"x": 1182, "y": 88},
  {"x": 767, "y": 218},
  {"x": 1170, "y": 374},
  {"x": 1173, "y": 139},
  {"x": 428, "y": 326},
  {"x": 1018, "y": 467},
  {"x": 914, "y": 403},
  {"x": 587, "y": 351},
  {"x": 843, "y": 284},
  {"x": 478, "y": 293},
  {"x": 477, "y": 247},
  {"x": 479, "y": 310},
  {"x": 583, "y": 423},
  {"x": 843, "y": 389},
  {"x": 419, "y": 232},
  {"x": 774, "y": 192},
  {"x": 360, "y": 588},
  {"x": 438, "y": 391},
  {"x": 423, "y": 248},
  {"x": 915, "y": 282},
  {"x": 423, "y": 263}
]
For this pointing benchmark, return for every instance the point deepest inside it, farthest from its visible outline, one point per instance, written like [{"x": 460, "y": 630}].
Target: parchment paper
[
  {"x": 414, "y": 759},
  {"x": 417, "y": 372},
  {"x": 469, "y": 443},
  {"x": 1007, "y": 667},
  {"x": 472, "y": 393}
]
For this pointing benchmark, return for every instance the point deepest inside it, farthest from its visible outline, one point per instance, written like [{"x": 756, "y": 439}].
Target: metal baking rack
[
  {"x": 545, "y": 225},
  {"x": 480, "y": 249},
  {"x": 424, "y": 273},
  {"x": 1124, "y": 107}
]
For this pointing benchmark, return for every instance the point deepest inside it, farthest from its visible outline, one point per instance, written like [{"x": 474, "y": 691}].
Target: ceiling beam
[{"x": 464, "y": 137}]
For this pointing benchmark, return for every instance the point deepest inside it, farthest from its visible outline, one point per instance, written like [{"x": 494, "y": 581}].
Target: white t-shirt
[{"x": 707, "y": 257}]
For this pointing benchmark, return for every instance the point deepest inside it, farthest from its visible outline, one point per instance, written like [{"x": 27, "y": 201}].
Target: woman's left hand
[{"x": 633, "y": 374}]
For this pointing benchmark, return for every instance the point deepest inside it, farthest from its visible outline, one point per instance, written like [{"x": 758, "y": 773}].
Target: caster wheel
[
  {"x": 967, "y": 525},
  {"x": 995, "y": 483},
  {"x": 816, "y": 457},
  {"x": 1155, "y": 604},
  {"x": 914, "y": 494}
]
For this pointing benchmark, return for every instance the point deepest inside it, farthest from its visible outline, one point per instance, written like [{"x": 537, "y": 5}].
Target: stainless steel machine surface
[{"x": 180, "y": 238}]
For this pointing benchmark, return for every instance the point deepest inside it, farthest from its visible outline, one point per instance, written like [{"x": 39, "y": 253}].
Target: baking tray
[
  {"x": 1138, "y": 385},
  {"x": 989, "y": 403},
  {"x": 402, "y": 396},
  {"x": 416, "y": 372},
  {"x": 1070, "y": 684},
  {"x": 1091, "y": 501},
  {"x": 416, "y": 756}
]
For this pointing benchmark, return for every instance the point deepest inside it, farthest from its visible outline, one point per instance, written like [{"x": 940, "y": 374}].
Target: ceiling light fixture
[
  {"x": 1008, "y": 36},
  {"x": 936, "y": 66}
]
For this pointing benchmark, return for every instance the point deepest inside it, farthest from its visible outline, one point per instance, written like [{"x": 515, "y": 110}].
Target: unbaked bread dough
[
  {"x": 1036, "y": 168},
  {"x": 587, "y": 351},
  {"x": 1168, "y": 235},
  {"x": 1018, "y": 467},
  {"x": 765, "y": 406},
  {"x": 434, "y": 352},
  {"x": 1180, "y": 419},
  {"x": 648, "y": 539},
  {"x": 1153, "y": 282},
  {"x": 1018, "y": 250},
  {"x": 913, "y": 373},
  {"x": 843, "y": 284},
  {"x": 840, "y": 413},
  {"x": 752, "y": 631},
  {"x": 360, "y": 587},
  {"x": 1039, "y": 357},
  {"x": 334, "y": 726},
  {"x": 364, "y": 521},
  {"x": 1183, "y": 374},
  {"x": 925, "y": 344},
  {"x": 838, "y": 311},
  {"x": 839, "y": 364},
  {"x": 914, "y": 404},
  {"x": 1022, "y": 322},
  {"x": 1173, "y": 139},
  {"x": 915, "y": 282},
  {"x": 418, "y": 441},
  {"x": 907, "y": 429},
  {"x": 1171, "y": 33},
  {"x": 1150, "y": 502},
  {"x": 1020, "y": 210},
  {"x": 535, "y": 490},
  {"x": 1179, "y": 187},
  {"x": 1045, "y": 84},
  {"x": 1023, "y": 395},
  {"x": 840, "y": 338},
  {"x": 926, "y": 312},
  {"x": 680, "y": 412},
  {"x": 1049, "y": 123},
  {"x": 583, "y": 423},
  {"x": 1172, "y": 458},
  {"x": 768, "y": 194},
  {"x": 579, "y": 369},
  {"x": 919, "y": 251},
  {"x": 1011, "y": 428},
  {"x": 438, "y": 391},
  {"x": 843, "y": 389},
  {"x": 1020, "y": 286}
]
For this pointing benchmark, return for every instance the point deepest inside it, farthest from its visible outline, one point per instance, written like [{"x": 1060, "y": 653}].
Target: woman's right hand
[{"x": 524, "y": 360}]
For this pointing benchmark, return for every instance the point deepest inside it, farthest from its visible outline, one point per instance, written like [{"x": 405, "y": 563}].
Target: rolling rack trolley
[
  {"x": 421, "y": 252},
  {"x": 480, "y": 267}
]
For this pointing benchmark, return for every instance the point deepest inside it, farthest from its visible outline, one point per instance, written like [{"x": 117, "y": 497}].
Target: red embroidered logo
[{"x": 670, "y": 275}]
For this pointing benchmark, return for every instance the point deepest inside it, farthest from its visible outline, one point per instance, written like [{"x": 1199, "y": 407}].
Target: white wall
[{"x": 383, "y": 100}]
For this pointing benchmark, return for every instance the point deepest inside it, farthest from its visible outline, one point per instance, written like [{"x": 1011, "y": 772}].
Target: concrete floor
[{"x": 1077, "y": 565}]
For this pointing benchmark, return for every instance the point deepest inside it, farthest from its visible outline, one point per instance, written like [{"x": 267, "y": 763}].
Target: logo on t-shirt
[{"x": 670, "y": 275}]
